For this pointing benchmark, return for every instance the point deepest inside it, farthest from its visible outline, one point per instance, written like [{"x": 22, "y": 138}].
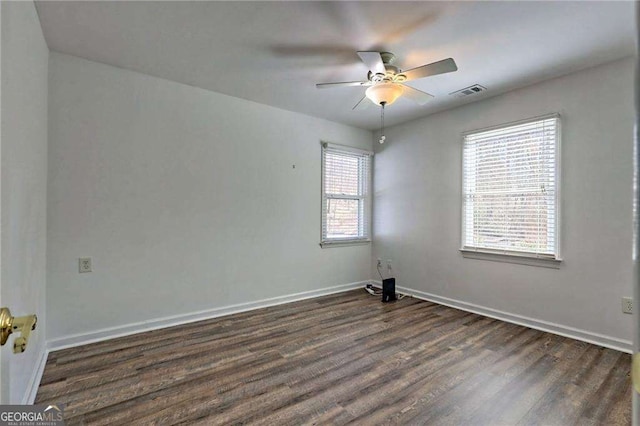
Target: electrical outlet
[
  {"x": 389, "y": 263},
  {"x": 379, "y": 262},
  {"x": 84, "y": 264},
  {"x": 627, "y": 305}
]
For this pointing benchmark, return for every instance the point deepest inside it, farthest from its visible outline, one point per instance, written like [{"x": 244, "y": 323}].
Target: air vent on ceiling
[{"x": 468, "y": 91}]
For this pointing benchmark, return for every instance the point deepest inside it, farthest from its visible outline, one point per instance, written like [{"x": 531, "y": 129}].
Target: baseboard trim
[
  {"x": 36, "y": 377},
  {"x": 550, "y": 327},
  {"x": 170, "y": 321}
]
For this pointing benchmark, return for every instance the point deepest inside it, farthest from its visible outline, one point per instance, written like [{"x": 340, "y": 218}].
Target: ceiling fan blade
[
  {"x": 435, "y": 68},
  {"x": 373, "y": 60},
  {"x": 343, "y": 84},
  {"x": 363, "y": 103},
  {"x": 416, "y": 95}
]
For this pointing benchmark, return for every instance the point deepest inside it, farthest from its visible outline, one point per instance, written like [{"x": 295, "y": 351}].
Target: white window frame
[
  {"x": 526, "y": 258},
  {"x": 365, "y": 197}
]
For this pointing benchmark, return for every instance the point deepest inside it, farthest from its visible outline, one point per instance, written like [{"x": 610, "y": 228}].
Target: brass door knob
[
  {"x": 23, "y": 325},
  {"x": 6, "y": 321}
]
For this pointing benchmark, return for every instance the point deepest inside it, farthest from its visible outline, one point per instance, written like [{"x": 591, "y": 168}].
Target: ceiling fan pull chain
[{"x": 382, "y": 136}]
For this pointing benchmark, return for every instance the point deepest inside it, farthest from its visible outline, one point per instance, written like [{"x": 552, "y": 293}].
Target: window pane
[
  {"x": 342, "y": 218},
  {"x": 513, "y": 221},
  {"x": 341, "y": 174}
]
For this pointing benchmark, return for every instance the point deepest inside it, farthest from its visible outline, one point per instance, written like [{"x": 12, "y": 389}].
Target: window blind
[
  {"x": 345, "y": 194},
  {"x": 510, "y": 187}
]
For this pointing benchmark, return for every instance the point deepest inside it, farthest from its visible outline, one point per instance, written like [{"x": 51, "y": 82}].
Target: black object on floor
[{"x": 389, "y": 290}]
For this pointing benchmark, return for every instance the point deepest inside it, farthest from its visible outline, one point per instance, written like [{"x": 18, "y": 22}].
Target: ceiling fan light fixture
[{"x": 384, "y": 93}]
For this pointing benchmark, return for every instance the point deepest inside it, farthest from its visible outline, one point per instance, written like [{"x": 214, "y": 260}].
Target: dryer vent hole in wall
[{"x": 627, "y": 305}]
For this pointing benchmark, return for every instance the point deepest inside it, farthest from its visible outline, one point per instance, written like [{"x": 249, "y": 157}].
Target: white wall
[
  {"x": 24, "y": 56},
  {"x": 186, "y": 200},
  {"x": 417, "y": 204}
]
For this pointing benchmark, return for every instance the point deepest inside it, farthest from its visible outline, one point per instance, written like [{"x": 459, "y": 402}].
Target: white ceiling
[{"x": 275, "y": 52}]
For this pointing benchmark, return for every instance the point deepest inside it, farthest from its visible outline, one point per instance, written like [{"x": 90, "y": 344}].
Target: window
[
  {"x": 510, "y": 189},
  {"x": 346, "y": 174}
]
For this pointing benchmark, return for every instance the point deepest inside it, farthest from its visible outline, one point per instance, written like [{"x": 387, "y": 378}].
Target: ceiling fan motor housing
[
  {"x": 392, "y": 73},
  {"x": 388, "y": 58}
]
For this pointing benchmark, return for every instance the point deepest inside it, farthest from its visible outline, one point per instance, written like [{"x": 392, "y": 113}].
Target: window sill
[
  {"x": 347, "y": 243},
  {"x": 512, "y": 258}
]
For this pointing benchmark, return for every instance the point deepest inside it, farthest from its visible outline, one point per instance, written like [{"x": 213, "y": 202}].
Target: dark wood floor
[{"x": 339, "y": 359}]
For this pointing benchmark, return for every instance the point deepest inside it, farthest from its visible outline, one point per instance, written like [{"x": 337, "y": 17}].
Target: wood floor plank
[
  {"x": 339, "y": 359},
  {"x": 563, "y": 403}
]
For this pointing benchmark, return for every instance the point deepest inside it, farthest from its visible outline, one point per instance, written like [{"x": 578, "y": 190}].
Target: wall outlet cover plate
[{"x": 84, "y": 264}]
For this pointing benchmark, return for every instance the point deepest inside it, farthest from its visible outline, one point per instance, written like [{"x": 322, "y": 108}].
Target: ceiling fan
[{"x": 385, "y": 80}]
